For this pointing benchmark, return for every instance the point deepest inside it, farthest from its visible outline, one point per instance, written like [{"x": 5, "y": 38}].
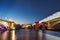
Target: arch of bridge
[
  {"x": 56, "y": 25},
  {"x": 6, "y": 23}
]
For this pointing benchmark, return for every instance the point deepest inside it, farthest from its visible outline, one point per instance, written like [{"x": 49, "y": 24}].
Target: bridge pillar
[
  {"x": 12, "y": 25},
  {"x": 49, "y": 25}
]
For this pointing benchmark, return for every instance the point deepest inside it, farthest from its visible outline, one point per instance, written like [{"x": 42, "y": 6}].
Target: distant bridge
[{"x": 7, "y": 23}]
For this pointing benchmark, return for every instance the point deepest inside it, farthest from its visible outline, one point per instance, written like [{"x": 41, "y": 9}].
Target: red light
[{"x": 43, "y": 24}]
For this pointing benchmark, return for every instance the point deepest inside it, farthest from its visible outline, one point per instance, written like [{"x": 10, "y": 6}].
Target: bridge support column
[
  {"x": 49, "y": 25},
  {"x": 12, "y": 25}
]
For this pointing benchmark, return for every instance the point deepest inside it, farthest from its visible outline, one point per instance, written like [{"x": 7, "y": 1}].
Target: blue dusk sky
[{"x": 28, "y": 11}]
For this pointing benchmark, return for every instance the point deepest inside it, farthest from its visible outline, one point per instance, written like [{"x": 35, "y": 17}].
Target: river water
[{"x": 24, "y": 34}]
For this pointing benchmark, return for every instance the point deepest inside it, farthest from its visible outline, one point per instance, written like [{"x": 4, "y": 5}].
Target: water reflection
[
  {"x": 43, "y": 35},
  {"x": 37, "y": 36},
  {"x": 23, "y": 34},
  {"x": 8, "y": 35},
  {"x": 12, "y": 35},
  {"x": 4, "y": 35}
]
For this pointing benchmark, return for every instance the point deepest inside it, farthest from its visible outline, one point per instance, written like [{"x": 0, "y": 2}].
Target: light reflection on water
[
  {"x": 4, "y": 36},
  {"x": 20, "y": 35},
  {"x": 27, "y": 35},
  {"x": 8, "y": 35},
  {"x": 12, "y": 35}
]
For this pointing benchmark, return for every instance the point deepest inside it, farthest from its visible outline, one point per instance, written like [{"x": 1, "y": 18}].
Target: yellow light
[
  {"x": 13, "y": 28},
  {"x": 13, "y": 35}
]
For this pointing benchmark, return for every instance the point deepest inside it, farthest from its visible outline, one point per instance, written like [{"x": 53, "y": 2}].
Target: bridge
[
  {"x": 52, "y": 24},
  {"x": 52, "y": 21},
  {"x": 7, "y": 23}
]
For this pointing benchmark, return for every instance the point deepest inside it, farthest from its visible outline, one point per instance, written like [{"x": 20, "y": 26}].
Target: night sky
[{"x": 28, "y": 11}]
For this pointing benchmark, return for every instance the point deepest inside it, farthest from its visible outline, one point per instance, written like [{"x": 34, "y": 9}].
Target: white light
[{"x": 11, "y": 20}]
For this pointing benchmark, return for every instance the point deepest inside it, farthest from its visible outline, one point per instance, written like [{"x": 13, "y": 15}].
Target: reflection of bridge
[{"x": 7, "y": 23}]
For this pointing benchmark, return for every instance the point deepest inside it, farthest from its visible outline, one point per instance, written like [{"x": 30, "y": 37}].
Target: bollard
[
  {"x": 43, "y": 25},
  {"x": 36, "y": 25}
]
